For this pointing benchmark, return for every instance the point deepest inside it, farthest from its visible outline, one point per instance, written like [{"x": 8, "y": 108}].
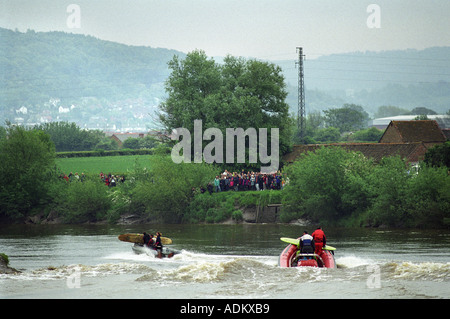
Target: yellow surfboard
[
  {"x": 296, "y": 242},
  {"x": 139, "y": 239}
]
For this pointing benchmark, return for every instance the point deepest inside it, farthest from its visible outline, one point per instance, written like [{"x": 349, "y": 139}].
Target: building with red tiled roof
[
  {"x": 427, "y": 132},
  {"x": 408, "y": 139}
]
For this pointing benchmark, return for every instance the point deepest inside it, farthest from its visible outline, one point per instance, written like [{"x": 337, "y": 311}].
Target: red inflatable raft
[{"x": 290, "y": 258}]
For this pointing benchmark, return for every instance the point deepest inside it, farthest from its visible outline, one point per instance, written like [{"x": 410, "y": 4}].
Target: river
[{"x": 221, "y": 262}]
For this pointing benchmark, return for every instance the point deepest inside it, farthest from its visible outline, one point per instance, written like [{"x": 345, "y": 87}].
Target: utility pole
[{"x": 301, "y": 95}]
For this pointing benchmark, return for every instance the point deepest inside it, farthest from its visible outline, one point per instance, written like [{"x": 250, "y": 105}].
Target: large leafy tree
[
  {"x": 27, "y": 158},
  {"x": 236, "y": 94},
  {"x": 327, "y": 185}
]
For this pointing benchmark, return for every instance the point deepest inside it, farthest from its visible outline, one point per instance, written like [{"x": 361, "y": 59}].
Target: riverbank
[{"x": 220, "y": 208}]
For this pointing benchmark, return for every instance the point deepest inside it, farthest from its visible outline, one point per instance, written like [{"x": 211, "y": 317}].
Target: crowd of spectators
[
  {"x": 110, "y": 180},
  {"x": 227, "y": 181},
  {"x": 245, "y": 181}
]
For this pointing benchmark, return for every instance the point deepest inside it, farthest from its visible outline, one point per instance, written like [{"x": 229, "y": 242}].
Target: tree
[
  {"x": 329, "y": 134},
  {"x": 422, "y": 111},
  {"x": 389, "y": 110},
  {"x": 368, "y": 135},
  {"x": 27, "y": 160},
  {"x": 132, "y": 143},
  {"x": 427, "y": 199},
  {"x": 438, "y": 155},
  {"x": 327, "y": 185},
  {"x": 348, "y": 118},
  {"x": 238, "y": 94},
  {"x": 69, "y": 137}
]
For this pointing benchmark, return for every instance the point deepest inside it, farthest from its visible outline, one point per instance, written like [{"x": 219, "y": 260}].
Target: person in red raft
[{"x": 320, "y": 240}]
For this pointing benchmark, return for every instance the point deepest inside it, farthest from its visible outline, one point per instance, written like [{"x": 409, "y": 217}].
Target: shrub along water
[{"x": 344, "y": 188}]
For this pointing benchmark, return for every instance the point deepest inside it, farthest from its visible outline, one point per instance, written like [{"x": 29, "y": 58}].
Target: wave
[
  {"x": 429, "y": 271},
  {"x": 216, "y": 269},
  {"x": 254, "y": 271},
  {"x": 353, "y": 261},
  {"x": 63, "y": 272}
]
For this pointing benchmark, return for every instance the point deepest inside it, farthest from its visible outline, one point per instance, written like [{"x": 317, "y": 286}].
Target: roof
[
  {"x": 412, "y": 152},
  {"x": 415, "y": 131},
  {"x": 408, "y": 139}
]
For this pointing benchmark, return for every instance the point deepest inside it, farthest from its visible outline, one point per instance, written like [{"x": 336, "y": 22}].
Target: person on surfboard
[{"x": 320, "y": 240}]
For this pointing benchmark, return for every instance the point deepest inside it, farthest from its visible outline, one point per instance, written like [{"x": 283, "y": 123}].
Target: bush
[
  {"x": 388, "y": 187},
  {"x": 344, "y": 188},
  {"x": 327, "y": 185},
  {"x": 427, "y": 197},
  {"x": 167, "y": 192},
  {"x": 84, "y": 201},
  {"x": 368, "y": 135},
  {"x": 438, "y": 155},
  {"x": 237, "y": 215},
  {"x": 27, "y": 161}
]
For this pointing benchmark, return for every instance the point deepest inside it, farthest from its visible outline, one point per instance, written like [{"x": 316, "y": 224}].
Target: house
[{"x": 407, "y": 139}]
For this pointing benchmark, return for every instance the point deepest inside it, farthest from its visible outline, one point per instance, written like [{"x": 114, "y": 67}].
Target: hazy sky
[{"x": 257, "y": 28}]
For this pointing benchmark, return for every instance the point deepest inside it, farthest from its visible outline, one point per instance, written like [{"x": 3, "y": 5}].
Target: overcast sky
[{"x": 250, "y": 28}]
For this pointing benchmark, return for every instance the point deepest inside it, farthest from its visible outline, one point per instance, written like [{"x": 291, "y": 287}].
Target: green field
[{"x": 105, "y": 164}]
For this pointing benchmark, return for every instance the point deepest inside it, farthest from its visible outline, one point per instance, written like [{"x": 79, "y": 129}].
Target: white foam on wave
[
  {"x": 424, "y": 271},
  {"x": 190, "y": 256},
  {"x": 129, "y": 256},
  {"x": 353, "y": 261}
]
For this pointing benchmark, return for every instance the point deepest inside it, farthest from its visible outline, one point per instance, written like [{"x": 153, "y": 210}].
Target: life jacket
[{"x": 306, "y": 241}]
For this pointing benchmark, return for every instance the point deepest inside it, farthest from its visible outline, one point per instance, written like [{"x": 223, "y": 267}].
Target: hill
[
  {"x": 63, "y": 76},
  {"x": 57, "y": 76},
  {"x": 404, "y": 78}
]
